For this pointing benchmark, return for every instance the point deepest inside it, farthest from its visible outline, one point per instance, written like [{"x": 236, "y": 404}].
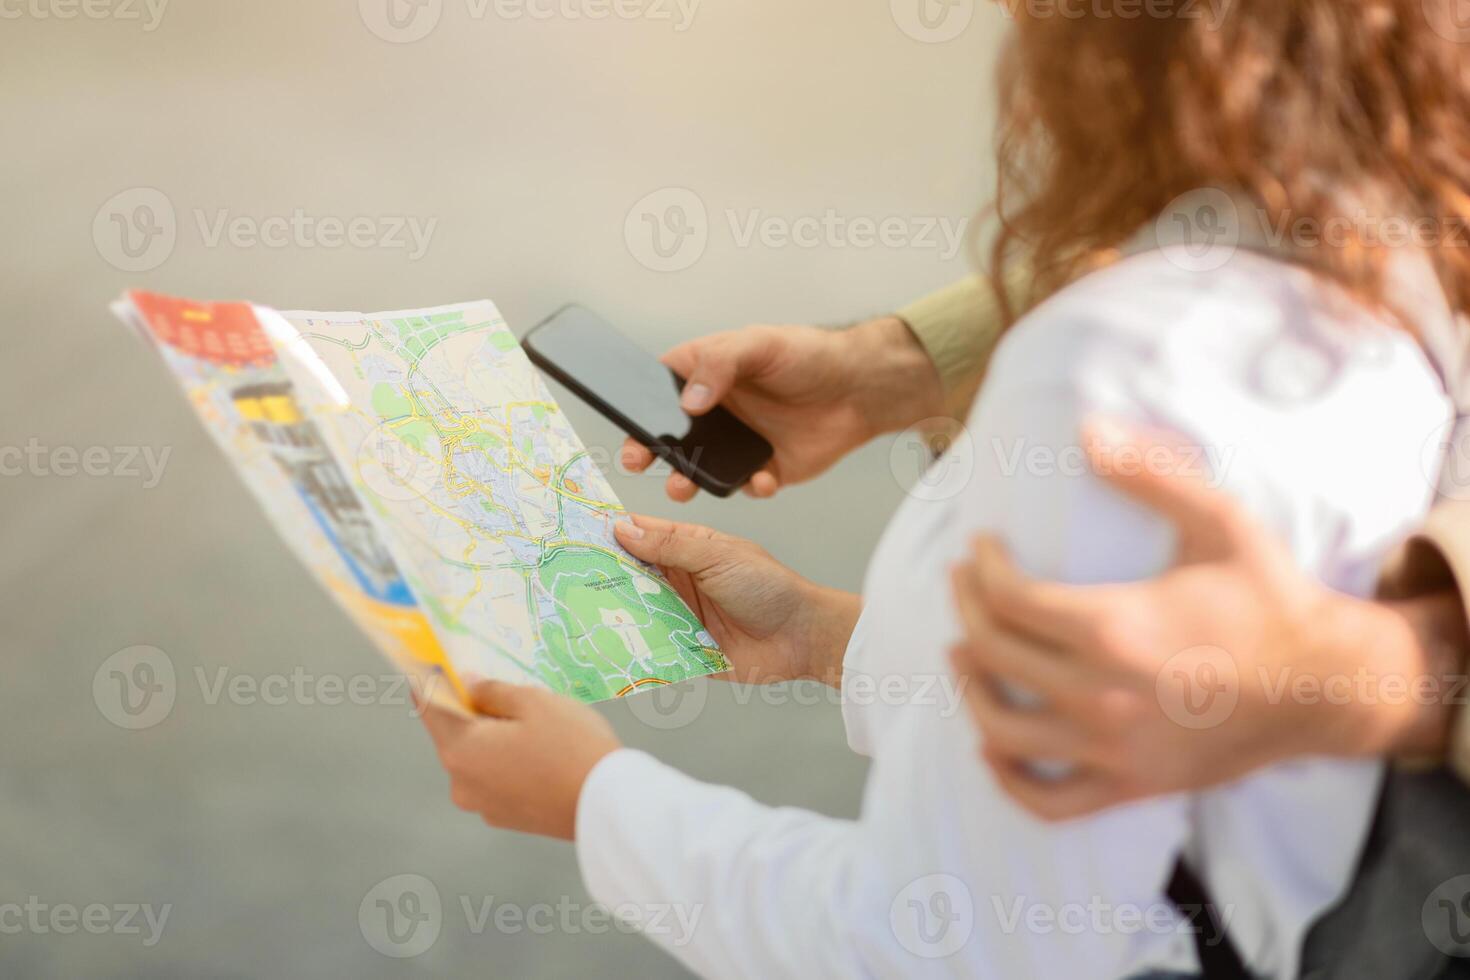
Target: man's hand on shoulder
[{"x": 1231, "y": 660}]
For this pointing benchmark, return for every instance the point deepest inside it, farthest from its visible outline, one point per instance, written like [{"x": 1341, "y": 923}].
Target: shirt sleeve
[
  {"x": 1437, "y": 559},
  {"x": 960, "y": 326},
  {"x": 728, "y": 886}
]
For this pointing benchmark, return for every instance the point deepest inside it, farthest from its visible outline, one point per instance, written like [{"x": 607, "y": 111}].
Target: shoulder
[
  {"x": 1310, "y": 408},
  {"x": 1256, "y": 330}
]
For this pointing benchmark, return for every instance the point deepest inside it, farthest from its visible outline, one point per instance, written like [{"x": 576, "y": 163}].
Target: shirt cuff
[
  {"x": 960, "y": 325},
  {"x": 613, "y": 805}
]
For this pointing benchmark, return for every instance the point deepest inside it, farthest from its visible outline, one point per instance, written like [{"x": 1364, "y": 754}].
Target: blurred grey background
[{"x": 541, "y": 141}]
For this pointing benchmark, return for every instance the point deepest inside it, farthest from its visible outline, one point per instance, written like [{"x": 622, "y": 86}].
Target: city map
[{"x": 417, "y": 462}]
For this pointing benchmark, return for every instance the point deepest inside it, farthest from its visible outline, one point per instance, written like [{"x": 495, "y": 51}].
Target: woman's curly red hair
[{"x": 1309, "y": 108}]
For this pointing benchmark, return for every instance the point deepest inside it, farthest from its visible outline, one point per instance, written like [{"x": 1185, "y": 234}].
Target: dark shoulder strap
[{"x": 1218, "y": 957}]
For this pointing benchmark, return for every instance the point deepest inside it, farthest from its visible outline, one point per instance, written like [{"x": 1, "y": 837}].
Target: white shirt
[{"x": 1320, "y": 418}]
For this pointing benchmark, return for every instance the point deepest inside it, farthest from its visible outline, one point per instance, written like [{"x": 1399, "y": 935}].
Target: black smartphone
[{"x": 638, "y": 394}]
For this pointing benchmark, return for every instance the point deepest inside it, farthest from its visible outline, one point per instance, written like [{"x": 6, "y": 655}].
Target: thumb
[
  {"x": 1151, "y": 468},
  {"x": 683, "y": 547},
  {"x": 716, "y": 364},
  {"x": 499, "y": 699}
]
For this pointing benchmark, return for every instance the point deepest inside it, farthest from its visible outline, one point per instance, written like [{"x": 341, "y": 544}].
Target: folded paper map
[{"x": 418, "y": 465}]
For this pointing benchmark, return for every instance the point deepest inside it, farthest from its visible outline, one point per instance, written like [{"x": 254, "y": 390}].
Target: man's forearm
[
  {"x": 1439, "y": 628},
  {"x": 832, "y": 616},
  {"x": 901, "y": 384},
  {"x": 1411, "y": 655}
]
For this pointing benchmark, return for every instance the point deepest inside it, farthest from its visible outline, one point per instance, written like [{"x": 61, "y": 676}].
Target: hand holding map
[{"x": 419, "y": 466}]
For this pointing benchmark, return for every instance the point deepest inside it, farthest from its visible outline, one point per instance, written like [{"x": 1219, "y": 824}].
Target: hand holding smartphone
[{"x": 633, "y": 390}]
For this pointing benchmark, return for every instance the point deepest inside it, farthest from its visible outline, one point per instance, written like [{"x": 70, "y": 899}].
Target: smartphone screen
[{"x": 639, "y": 394}]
